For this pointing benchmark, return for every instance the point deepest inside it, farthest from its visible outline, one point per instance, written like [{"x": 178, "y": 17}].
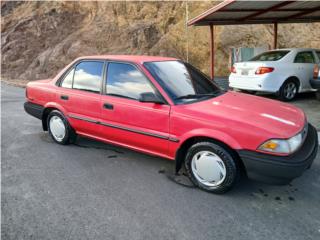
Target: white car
[{"x": 285, "y": 72}]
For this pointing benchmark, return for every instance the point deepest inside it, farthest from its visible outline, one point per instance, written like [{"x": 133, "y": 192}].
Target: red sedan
[{"x": 166, "y": 107}]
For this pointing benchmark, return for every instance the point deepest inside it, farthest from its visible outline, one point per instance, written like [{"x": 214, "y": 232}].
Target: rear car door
[
  {"x": 304, "y": 64},
  {"x": 79, "y": 94},
  {"x": 127, "y": 121}
]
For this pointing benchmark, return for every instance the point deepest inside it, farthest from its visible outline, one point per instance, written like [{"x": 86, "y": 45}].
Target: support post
[
  {"x": 211, "y": 51},
  {"x": 275, "y": 35}
]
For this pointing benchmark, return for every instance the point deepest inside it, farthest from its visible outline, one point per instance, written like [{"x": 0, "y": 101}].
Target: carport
[{"x": 235, "y": 12}]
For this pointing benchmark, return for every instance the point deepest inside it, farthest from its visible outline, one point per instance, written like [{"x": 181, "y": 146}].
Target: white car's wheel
[{"x": 288, "y": 90}]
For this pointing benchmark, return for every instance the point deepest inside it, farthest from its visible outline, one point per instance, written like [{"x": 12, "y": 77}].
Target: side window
[
  {"x": 67, "y": 81},
  {"x": 88, "y": 76},
  {"x": 124, "y": 80},
  {"x": 304, "y": 57}
]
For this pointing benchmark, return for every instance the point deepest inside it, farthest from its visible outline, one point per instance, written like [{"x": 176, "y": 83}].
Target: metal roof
[{"x": 235, "y": 12}]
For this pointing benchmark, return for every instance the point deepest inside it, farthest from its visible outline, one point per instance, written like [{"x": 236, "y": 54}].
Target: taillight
[
  {"x": 263, "y": 70},
  {"x": 26, "y": 92},
  {"x": 233, "y": 69},
  {"x": 316, "y": 71}
]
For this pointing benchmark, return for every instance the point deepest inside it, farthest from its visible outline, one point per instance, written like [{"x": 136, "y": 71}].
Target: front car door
[
  {"x": 79, "y": 94},
  {"x": 304, "y": 64},
  {"x": 127, "y": 121}
]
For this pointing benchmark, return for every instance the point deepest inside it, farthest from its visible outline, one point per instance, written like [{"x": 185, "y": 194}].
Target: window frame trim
[
  {"x": 73, "y": 66},
  {"x": 135, "y": 65}
]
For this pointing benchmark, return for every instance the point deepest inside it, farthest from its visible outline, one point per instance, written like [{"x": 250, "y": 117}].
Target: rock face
[{"x": 39, "y": 38}]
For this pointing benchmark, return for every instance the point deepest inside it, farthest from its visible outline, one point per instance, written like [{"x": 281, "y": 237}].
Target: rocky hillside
[{"x": 39, "y": 38}]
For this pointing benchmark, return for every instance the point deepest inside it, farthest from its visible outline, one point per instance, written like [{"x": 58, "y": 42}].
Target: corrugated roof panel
[
  {"x": 314, "y": 14},
  {"x": 227, "y": 15},
  {"x": 276, "y": 14},
  {"x": 259, "y": 12},
  {"x": 252, "y": 5},
  {"x": 303, "y": 5}
]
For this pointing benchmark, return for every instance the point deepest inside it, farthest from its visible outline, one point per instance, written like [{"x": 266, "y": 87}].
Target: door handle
[
  {"x": 64, "y": 97},
  {"x": 108, "y": 106}
]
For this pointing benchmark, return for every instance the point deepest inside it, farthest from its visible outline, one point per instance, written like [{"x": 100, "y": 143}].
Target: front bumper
[
  {"x": 315, "y": 83},
  {"x": 281, "y": 169}
]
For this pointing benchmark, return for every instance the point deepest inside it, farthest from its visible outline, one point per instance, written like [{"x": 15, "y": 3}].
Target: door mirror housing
[{"x": 150, "y": 98}]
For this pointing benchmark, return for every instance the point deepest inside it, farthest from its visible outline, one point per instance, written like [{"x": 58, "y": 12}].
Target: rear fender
[{"x": 51, "y": 105}]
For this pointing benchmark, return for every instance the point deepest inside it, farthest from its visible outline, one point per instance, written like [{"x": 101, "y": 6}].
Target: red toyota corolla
[{"x": 166, "y": 107}]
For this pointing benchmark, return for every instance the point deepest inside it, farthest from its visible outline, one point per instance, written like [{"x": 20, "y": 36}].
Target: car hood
[{"x": 250, "y": 113}]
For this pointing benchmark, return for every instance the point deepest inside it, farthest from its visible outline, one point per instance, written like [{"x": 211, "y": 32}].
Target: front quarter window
[
  {"x": 67, "y": 81},
  {"x": 182, "y": 82}
]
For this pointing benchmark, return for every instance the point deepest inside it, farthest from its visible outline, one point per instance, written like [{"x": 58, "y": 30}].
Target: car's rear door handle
[
  {"x": 64, "y": 97},
  {"x": 108, "y": 106}
]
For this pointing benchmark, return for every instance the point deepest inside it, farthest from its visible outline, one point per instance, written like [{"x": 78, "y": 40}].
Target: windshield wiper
[{"x": 196, "y": 96}]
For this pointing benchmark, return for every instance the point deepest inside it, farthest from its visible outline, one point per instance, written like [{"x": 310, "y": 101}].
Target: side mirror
[{"x": 150, "y": 97}]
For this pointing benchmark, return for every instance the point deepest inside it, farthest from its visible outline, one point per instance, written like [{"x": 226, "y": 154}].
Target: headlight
[{"x": 282, "y": 146}]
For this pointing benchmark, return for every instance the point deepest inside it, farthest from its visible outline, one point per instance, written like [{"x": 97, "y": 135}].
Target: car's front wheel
[
  {"x": 211, "y": 167},
  {"x": 59, "y": 128},
  {"x": 288, "y": 90}
]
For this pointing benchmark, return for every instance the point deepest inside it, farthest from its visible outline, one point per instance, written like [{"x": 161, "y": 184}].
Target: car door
[
  {"x": 79, "y": 94},
  {"x": 128, "y": 121},
  {"x": 304, "y": 63}
]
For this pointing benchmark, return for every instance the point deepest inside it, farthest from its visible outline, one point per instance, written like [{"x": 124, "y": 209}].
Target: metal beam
[
  {"x": 255, "y": 10},
  {"x": 211, "y": 51},
  {"x": 279, "y": 5},
  {"x": 275, "y": 35},
  {"x": 211, "y": 10}
]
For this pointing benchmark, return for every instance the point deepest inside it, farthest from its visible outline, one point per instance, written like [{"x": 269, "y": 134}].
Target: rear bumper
[
  {"x": 315, "y": 83},
  {"x": 263, "y": 83},
  {"x": 281, "y": 169},
  {"x": 33, "y": 109}
]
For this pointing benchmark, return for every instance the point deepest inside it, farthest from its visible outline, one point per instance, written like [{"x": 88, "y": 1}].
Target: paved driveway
[{"x": 96, "y": 191}]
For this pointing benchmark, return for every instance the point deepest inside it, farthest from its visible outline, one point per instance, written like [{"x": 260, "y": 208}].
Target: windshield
[
  {"x": 182, "y": 82},
  {"x": 270, "y": 56}
]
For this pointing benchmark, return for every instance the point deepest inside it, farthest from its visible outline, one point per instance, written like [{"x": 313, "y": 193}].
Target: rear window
[{"x": 270, "y": 56}]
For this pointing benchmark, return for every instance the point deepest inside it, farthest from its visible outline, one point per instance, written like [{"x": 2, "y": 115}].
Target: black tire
[
  {"x": 70, "y": 134},
  {"x": 318, "y": 95},
  {"x": 230, "y": 162},
  {"x": 283, "y": 91}
]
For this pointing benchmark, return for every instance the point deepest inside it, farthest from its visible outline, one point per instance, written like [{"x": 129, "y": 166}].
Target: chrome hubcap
[
  {"x": 208, "y": 168},
  {"x": 57, "y": 128},
  {"x": 290, "y": 90}
]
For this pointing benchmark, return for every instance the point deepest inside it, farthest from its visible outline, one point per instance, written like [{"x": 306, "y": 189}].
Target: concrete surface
[{"x": 96, "y": 191}]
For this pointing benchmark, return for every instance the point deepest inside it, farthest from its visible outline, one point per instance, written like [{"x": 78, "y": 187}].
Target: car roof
[
  {"x": 294, "y": 49},
  {"x": 129, "y": 58}
]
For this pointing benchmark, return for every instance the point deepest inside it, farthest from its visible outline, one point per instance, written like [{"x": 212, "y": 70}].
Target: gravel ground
[{"x": 92, "y": 190}]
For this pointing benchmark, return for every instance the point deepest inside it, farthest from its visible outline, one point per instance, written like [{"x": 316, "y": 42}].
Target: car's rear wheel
[
  {"x": 211, "y": 167},
  {"x": 288, "y": 90},
  {"x": 59, "y": 128},
  {"x": 318, "y": 95}
]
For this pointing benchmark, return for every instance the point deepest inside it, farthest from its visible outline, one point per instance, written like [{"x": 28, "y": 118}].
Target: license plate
[{"x": 244, "y": 72}]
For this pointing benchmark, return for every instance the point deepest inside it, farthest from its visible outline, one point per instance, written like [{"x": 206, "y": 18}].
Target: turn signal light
[
  {"x": 233, "y": 69},
  {"x": 263, "y": 70},
  {"x": 316, "y": 71}
]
